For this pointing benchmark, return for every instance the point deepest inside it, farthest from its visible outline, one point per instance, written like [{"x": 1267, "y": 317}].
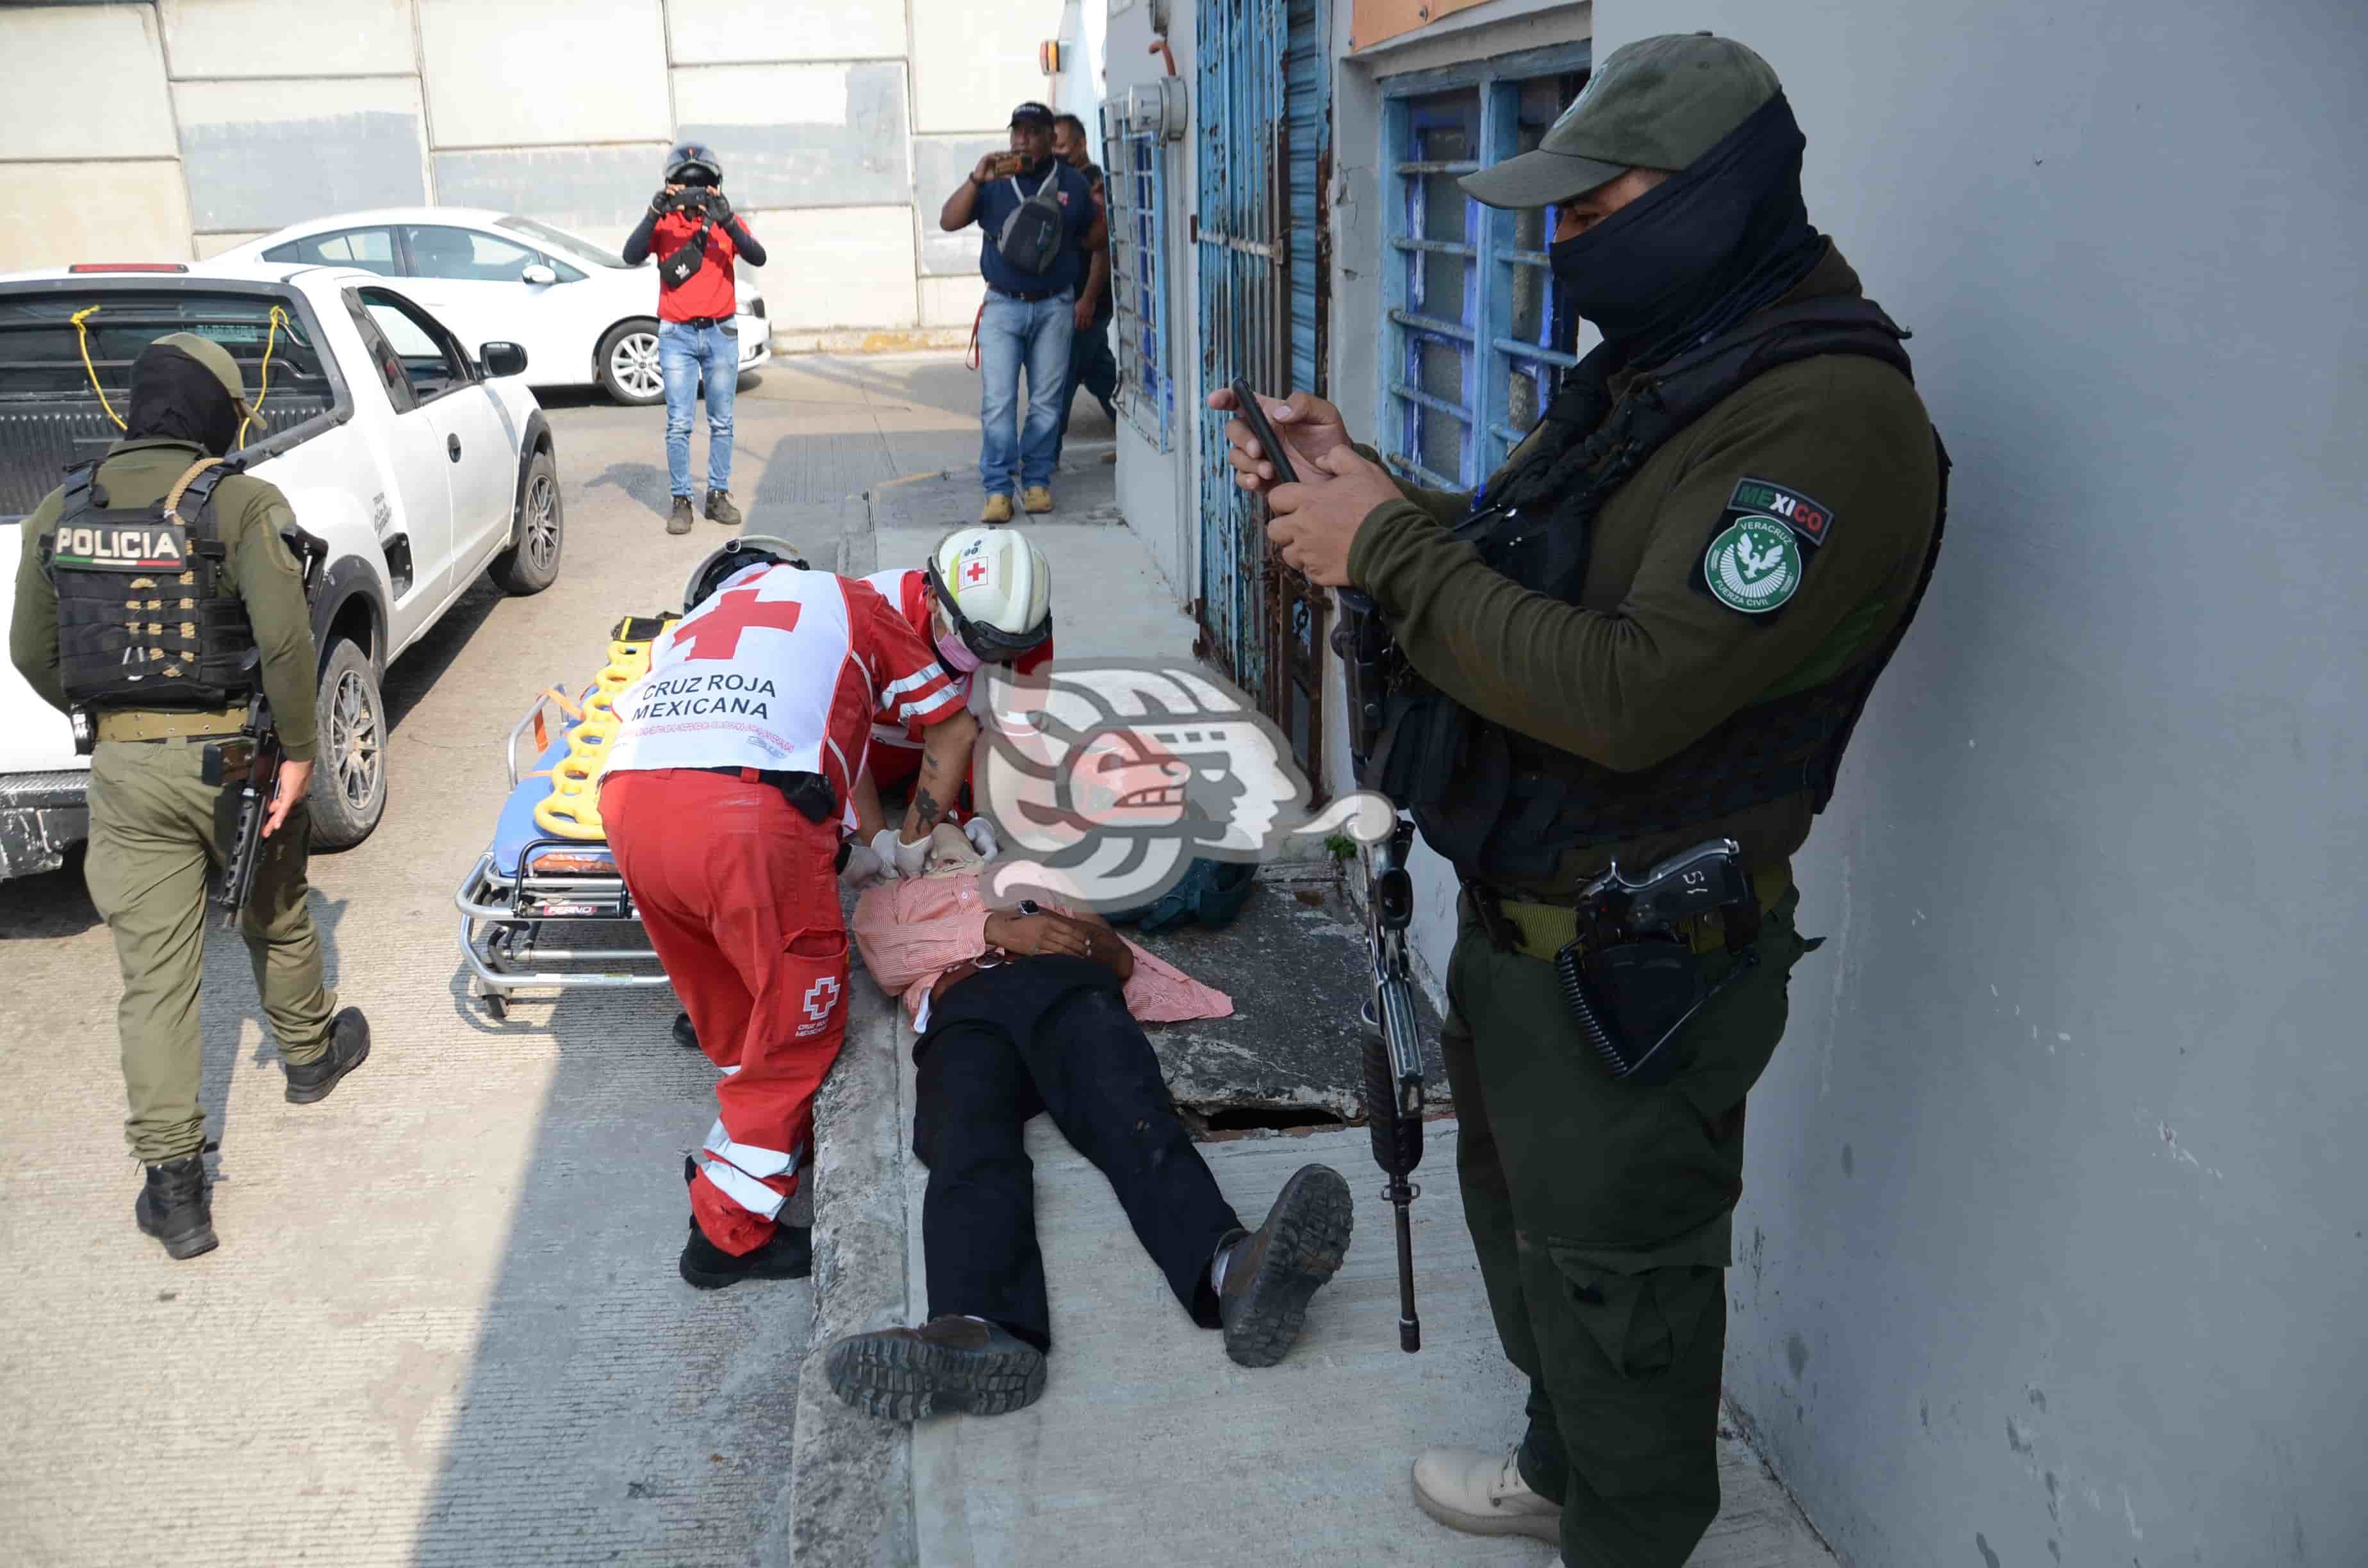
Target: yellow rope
[
  {"x": 279, "y": 319},
  {"x": 83, "y": 334}
]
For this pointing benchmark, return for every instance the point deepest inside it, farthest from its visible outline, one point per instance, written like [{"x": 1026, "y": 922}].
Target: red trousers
[{"x": 737, "y": 892}]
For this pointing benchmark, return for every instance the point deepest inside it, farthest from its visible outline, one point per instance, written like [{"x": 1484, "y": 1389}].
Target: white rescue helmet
[
  {"x": 996, "y": 590},
  {"x": 739, "y": 551}
]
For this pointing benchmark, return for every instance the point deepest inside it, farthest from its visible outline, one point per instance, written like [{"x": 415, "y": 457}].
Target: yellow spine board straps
[{"x": 572, "y": 809}]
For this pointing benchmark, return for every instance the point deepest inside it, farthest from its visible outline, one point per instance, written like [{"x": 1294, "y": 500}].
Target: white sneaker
[{"x": 1481, "y": 1493}]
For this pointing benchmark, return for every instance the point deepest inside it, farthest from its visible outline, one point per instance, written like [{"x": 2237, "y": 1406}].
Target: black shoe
[
  {"x": 953, "y": 1364},
  {"x": 349, "y": 1049},
  {"x": 720, "y": 508},
  {"x": 175, "y": 1208},
  {"x": 1277, "y": 1267},
  {"x": 788, "y": 1255},
  {"x": 678, "y": 520},
  {"x": 684, "y": 1035}
]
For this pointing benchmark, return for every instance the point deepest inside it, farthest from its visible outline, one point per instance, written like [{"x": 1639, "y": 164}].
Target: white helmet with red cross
[{"x": 996, "y": 590}]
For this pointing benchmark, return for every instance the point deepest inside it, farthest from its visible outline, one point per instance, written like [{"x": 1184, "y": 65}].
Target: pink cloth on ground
[{"x": 912, "y": 931}]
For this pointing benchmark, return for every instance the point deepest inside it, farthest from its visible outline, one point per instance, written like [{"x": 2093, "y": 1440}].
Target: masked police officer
[
  {"x": 161, "y": 661},
  {"x": 1653, "y": 628}
]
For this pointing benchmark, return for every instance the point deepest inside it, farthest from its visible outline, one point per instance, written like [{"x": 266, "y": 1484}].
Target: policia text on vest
[
  {"x": 157, "y": 595},
  {"x": 1650, "y": 633}
]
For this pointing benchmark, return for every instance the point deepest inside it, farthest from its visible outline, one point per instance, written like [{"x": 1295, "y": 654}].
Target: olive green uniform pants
[
  {"x": 154, "y": 829},
  {"x": 1602, "y": 1211}
]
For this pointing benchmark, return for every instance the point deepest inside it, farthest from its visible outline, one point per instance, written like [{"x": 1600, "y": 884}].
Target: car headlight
[{"x": 755, "y": 306}]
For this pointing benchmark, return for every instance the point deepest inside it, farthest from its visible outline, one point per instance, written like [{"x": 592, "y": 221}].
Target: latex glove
[
  {"x": 863, "y": 869},
  {"x": 882, "y": 848},
  {"x": 912, "y": 858},
  {"x": 981, "y": 833}
]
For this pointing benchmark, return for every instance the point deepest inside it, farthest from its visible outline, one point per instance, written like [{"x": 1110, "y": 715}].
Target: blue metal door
[{"x": 1264, "y": 114}]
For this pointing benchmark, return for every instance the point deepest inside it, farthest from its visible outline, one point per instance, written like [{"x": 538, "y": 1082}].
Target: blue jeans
[
  {"x": 1012, "y": 334},
  {"x": 684, "y": 353}
]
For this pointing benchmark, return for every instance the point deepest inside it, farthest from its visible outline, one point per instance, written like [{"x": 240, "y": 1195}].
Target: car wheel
[
  {"x": 629, "y": 364},
  {"x": 532, "y": 564},
  {"x": 349, "y": 793}
]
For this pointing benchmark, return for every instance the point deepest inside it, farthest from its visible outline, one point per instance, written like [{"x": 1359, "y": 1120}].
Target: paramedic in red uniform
[
  {"x": 726, "y": 795},
  {"x": 984, "y": 597}
]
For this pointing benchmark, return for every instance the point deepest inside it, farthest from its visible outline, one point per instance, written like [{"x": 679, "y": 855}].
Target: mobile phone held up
[{"x": 1253, "y": 413}]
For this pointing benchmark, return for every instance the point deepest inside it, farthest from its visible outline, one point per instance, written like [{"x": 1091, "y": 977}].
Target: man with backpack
[{"x": 1038, "y": 226}]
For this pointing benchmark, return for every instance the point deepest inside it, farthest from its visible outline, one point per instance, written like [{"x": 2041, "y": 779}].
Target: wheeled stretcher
[{"x": 543, "y": 907}]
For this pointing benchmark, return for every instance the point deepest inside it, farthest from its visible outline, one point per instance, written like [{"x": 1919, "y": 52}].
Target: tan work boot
[
  {"x": 1481, "y": 1493},
  {"x": 996, "y": 510},
  {"x": 1037, "y": 498}
]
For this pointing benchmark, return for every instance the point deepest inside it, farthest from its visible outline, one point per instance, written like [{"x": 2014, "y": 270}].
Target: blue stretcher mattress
[{"x": 517, "y": 828}]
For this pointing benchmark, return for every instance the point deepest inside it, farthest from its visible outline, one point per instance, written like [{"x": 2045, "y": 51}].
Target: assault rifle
[
  {"x": 259, "y": 746},
  {"x": 1394, "y": 1066}
]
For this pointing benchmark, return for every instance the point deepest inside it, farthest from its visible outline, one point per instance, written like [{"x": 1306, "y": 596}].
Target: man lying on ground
[{"x": 1035, "y": 1010}]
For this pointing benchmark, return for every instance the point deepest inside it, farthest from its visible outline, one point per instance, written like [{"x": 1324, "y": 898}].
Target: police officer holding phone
[
  {"x": 160, "y": 658},
  {"x": 1647, "y": 636}
]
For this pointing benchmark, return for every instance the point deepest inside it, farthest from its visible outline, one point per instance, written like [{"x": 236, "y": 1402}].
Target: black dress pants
[{"x": 1048, "y": 1034}]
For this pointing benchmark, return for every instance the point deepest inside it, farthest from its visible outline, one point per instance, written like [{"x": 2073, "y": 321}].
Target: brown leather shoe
[
  {"x": 948, "y": 1364},
  {"x": 1274, "y": 1269}
]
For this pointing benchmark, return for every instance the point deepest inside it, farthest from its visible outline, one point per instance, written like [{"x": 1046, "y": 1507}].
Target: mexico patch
[{"x": 1766, "y": 538}]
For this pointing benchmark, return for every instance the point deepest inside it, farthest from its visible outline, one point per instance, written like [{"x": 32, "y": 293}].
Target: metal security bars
[
  {"x": 1135, "y": 186},
  {"x": 1475, "y": 336}
]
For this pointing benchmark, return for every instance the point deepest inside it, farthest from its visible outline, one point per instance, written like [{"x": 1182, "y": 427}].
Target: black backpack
[{"x": 1031, "y": 236}]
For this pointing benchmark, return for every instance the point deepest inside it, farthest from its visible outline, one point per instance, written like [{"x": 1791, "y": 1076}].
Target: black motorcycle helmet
[
  {"x": 693, "y": 162},
  {"x": 745, "y": 550}
]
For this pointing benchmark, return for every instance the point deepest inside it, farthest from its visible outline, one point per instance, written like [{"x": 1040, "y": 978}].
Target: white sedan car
[{"x": 582, "y": 315}]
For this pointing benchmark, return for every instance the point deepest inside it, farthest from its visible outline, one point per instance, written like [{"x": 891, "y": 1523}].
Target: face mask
[
  {"x": 1706, "y": 245},
  {"x": 956, "y": 653}
]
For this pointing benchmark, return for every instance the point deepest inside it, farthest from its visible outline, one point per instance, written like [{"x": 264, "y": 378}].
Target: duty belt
[
  {"x": 137, "y": 724},
  {"x": 1541, "y": 930}
]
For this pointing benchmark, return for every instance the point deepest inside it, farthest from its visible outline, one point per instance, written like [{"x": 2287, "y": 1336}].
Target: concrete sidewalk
[{"x": 1150, "y": 1447}]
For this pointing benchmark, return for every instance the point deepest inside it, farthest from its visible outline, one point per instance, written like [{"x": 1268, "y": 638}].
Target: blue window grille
[
  {"x": 1476, "y": 334},
  {"x": 1135, "y": 192}
]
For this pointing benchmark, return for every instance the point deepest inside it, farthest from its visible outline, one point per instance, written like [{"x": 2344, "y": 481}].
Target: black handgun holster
[{"x": 1633, "y": 1000}]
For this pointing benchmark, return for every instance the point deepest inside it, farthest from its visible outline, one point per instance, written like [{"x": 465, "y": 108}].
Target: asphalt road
[{"x": 444, "y": 1324}]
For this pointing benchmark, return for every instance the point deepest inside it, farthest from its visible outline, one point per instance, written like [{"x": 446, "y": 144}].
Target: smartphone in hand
[{"x": 1253, "y": 414}]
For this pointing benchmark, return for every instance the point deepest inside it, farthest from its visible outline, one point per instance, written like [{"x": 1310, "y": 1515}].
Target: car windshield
[{"x": 545, "y": 234}]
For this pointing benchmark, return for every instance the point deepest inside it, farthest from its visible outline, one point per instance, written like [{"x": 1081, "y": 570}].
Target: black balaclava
[
  {"x": 174, "y": 397},
  {"x": 1702, "y": 250}
]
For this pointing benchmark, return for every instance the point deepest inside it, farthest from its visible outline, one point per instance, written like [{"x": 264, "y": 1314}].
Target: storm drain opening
[{"x": 1217, "y": 1121}]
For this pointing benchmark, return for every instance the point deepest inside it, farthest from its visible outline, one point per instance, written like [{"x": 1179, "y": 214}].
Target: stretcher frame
[{"x": 505, "y": 905}]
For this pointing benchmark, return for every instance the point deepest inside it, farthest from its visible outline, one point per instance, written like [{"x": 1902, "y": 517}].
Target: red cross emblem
[
  {"x": 975, "y": 572},
  {"x": 716, "y": 634}
]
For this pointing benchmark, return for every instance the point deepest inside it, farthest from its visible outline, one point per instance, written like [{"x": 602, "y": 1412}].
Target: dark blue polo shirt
[{"x": 997, "y": 200}]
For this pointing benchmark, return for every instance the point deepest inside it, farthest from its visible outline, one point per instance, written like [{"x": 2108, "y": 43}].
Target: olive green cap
[
  {"x": 214, "y": 357},
  {"x": 1658, "y": 103}
]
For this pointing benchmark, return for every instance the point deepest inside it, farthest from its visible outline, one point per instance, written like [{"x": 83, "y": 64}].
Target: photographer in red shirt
[{"x": 693, "y": 232}]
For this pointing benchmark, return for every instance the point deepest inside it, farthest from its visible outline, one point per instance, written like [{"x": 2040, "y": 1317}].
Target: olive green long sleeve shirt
[
  {"x": 1651, "y": 659},
  {"x": 251, "y": 514}
]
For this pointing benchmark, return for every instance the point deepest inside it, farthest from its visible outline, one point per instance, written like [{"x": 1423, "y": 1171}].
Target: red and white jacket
[
  {"x": 895, "y": 745},
  {"x": 784, "y": 670}
]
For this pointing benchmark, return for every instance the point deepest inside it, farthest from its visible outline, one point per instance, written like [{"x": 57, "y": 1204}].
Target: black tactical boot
[
  {"x": 684, "y": 1035},
  {"x": 1271, "y": 1271},
  {"x": 720, "y": 508},
  {"x": 349, "y": 1049},
  {"x": 788, "y": 1255},
  {"x": 678, "y": 520},
  {"x": 953, "y": 1364},
  {"x": 174, "y": 1208}
]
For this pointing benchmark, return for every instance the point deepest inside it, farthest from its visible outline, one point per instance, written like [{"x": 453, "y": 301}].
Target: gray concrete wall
[{"x": 843, "y": 124}]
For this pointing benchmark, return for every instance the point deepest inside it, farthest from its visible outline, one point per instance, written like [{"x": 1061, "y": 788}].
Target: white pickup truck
[{"x": 422, "y": 462}]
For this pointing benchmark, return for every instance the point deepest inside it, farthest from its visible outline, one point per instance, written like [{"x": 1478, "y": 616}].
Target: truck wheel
[
  {"x": 629, "y": 364},
  {"x": 349, "y": 793},
  {"x": 532, "y": 564}
]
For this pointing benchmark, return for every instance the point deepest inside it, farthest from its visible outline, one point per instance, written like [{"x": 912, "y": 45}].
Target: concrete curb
[{"x": 850, "y": 1485}]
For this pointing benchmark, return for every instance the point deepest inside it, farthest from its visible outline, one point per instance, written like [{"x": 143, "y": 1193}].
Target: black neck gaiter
[
  {"x": 1700, "y": 250},
  {"x": 174, "y": 397}
]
